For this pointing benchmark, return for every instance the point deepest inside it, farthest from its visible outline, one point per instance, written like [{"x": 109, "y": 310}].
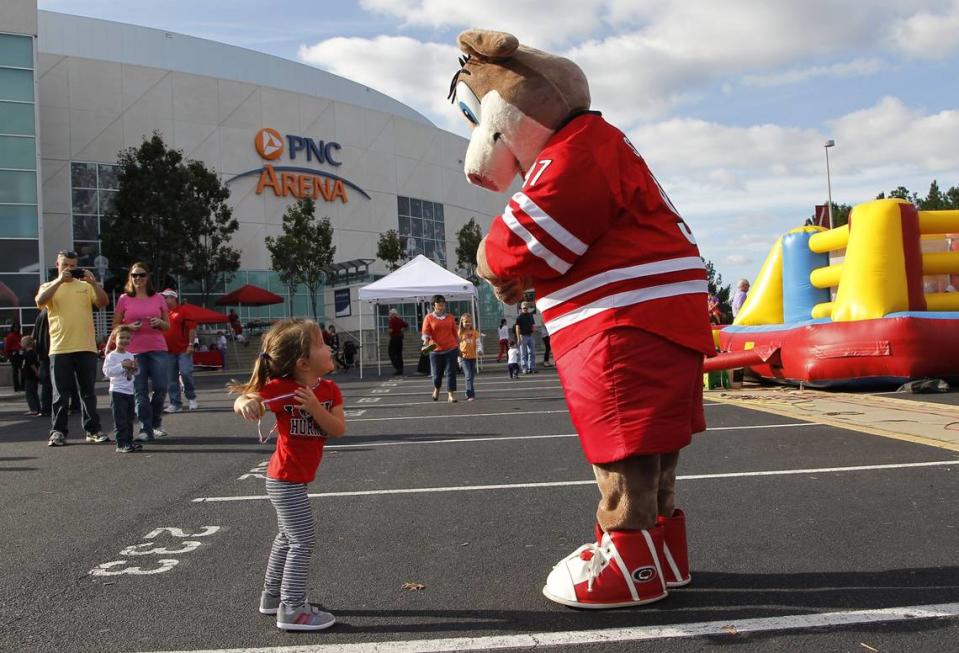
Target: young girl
[
  {"x": 120, "y": 366},
  {"x": 287, "y": 379},
  {"x": 471, "y": 344},
  {"x": 503, "y": 334}
]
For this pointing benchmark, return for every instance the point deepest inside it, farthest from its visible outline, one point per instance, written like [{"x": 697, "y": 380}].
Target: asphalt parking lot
[{"x": 438, "y": 523}]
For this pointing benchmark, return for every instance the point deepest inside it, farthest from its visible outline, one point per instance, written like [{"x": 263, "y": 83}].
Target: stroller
[{"x": 346, "y": 358}]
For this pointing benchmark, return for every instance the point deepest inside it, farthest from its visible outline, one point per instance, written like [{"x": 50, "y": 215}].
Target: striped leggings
[{"x": 289, "y": 564}]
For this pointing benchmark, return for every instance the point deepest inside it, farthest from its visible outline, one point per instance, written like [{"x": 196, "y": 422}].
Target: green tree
[
  {"x": 171, "y": 214},
  {"x": 935, "y": 199},
  {"x": 714, "y": 280},
  {"x": 468, "y": 239},
  {"x": 304, "y": 252},
  {"x": 389, "y": 249},
  {"x": 840, "y": 215}
]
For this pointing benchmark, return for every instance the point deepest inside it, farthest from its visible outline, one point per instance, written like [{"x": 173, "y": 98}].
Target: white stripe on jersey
[
  {"x": 619, "y": 274},
  {"x": 549, "y": 225},
  {"x": 534, "y": 246},
  {"x": 622, "y": 299}
]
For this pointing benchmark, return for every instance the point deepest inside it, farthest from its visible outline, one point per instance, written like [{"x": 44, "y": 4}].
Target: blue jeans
[
  {"x": 180, "y": 367},
  {"x": 153, "y": 372},
  {"x": 441, "y": 361},
  {"x": 123, "y": 408},
  {"x": 469, "y": 371},
  {"x": 527, "y": 353}
]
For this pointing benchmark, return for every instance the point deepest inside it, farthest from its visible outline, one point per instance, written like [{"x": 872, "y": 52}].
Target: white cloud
[
  {"x": 856, "y": 68},
  {"x": 928, "y": 35},
  {"x": 413, "y": 72},
  {"x": 737, "y": 259},
  {"x": 537, "y": 24}
]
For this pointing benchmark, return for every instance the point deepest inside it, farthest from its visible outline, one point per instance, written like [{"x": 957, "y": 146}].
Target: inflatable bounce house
[{"x": 870, "y": 302}]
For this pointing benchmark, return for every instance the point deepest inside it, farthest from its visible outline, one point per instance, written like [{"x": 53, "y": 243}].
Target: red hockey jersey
[
  {"x": 299, "y": 441},
  {"x": 601, "y": 242}
]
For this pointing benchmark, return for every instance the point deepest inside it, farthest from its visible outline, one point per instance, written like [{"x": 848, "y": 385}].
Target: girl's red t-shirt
[{"x": 299, "y": 441}]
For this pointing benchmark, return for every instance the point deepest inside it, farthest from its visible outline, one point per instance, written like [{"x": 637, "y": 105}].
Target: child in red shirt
[{"x": 287, "y": 380}]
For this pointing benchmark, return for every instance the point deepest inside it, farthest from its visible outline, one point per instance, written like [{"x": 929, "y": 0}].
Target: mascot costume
[{"x": 622, "y": 291}]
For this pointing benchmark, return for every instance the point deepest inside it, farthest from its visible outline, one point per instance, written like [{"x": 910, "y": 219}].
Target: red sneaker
[
  {"x": 674, "y": 556},
  {"x": 622, "y": 570}
]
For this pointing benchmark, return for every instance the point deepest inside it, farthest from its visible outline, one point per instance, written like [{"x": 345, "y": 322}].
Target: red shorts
[{"x": 631, "y": 392}]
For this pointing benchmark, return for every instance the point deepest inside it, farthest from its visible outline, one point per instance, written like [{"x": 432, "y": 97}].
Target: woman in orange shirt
[{"x": 441, "y": 339}]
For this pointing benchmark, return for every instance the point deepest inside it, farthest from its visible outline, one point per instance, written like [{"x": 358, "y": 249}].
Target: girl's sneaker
[
  {"x": 125, "y": 448},
  {"x": 269, "y": 604},
  {"x": 305, "y": 617}
]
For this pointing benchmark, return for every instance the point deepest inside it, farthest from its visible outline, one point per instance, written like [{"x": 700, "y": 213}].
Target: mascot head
[{"x": 514, "y": 99}]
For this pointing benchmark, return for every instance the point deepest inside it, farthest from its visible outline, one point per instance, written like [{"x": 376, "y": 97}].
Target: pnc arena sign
[{"x": 297, "y": 180}]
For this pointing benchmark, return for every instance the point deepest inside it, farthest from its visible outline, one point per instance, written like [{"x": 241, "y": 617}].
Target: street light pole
[{"x": 829, "y": 143}]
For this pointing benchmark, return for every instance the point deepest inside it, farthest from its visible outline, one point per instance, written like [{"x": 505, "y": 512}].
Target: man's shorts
[{"x": 631, "y": 392}]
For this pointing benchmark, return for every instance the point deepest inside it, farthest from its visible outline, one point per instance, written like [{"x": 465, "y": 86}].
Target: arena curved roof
[{"x": 93, "y": 38}]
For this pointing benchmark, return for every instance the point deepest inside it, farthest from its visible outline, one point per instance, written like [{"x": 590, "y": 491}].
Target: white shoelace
[{"x": 595, "y": 564}]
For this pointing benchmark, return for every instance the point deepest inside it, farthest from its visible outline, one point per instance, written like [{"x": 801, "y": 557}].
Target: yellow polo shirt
[{"x": 70, "y": 312}]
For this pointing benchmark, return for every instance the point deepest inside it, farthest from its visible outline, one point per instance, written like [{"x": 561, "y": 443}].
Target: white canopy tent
[{"x": 418, "y": 280}]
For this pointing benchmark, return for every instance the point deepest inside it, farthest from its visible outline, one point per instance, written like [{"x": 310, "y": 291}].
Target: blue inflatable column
[{"x": 799, "y": 295}]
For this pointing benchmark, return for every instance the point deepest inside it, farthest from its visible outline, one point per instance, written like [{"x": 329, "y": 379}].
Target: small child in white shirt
[
  {"x": 120, "y": 366},
  {"x": 512, "y": 360}
]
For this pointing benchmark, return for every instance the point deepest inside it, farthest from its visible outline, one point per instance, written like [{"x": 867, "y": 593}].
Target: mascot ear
[{"x": 488, "y": 45}]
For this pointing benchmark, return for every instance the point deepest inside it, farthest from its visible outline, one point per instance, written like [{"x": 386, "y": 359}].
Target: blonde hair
[
  {"x": 28, "y": 341},
  {"x": 287, "y": 342},
  {"x": 122, "y": 328},
  {"x": 461, "y": 329}
]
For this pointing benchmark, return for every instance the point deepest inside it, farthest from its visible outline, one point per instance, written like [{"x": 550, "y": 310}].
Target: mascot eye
[
  {"x": 469, "y": 114},
  {"x": 468, "y": 104}
]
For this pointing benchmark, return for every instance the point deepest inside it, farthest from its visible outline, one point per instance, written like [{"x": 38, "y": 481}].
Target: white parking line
[
  {"x": 426, "y": 391},
  {"x": 518, "y": 486},
  {"x": 725, "y": 630},
  {"x": 394, "y": 443}
]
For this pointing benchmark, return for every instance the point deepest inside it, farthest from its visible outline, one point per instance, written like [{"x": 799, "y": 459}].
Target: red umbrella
[
  {"x": 201, "y": 315},
  {"x": 250, "y": 295}
]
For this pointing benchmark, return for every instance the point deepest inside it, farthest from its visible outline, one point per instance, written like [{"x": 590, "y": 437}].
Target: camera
[{"x": 77, "y": 273}]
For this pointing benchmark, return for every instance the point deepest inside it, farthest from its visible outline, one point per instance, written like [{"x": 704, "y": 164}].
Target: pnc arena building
[{"x": 76, "y": 91}]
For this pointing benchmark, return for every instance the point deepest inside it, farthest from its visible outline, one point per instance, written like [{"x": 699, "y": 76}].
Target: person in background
[
  {"x": 715, "y": 312},
  {"x": 11, "y": 349},
  {"x": 221, "y": 347},
  {"x": 120, "y": 366},
  {"x": 41, "y": 337},
  {"x": 145, "y": 311},
  {"x": 503, "y": 335},
  {"x": 471, "y": 346},
  {"x": 512, "y": 360},
  {"x": 179, "y": 342},
  {"x": 742, "y": 289},
  {"x": 31, "y": 375},
  {"x": 235, "y": 327},
  {"x": 70, "y": 300},
  {"x": 334, "y": 344},
  {"x": 396, "y": 325},
  {"x": 442, "y": 341},
  {"x": 524, "y": 328}
]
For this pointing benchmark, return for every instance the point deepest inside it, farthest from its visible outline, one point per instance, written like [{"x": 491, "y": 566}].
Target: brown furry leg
[
  {"x": 629, "y": 490},
  {"x": 666, "y": 498}
]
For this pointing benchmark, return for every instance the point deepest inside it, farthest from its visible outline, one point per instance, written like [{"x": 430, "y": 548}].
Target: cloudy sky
[{"x": 730, "y": 102}]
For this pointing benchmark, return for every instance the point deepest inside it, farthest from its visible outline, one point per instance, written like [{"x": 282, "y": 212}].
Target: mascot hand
[{"x": 509, "y": 291}]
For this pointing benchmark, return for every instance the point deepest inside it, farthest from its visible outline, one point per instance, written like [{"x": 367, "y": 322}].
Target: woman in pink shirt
[{"x": 145, "y": 311}]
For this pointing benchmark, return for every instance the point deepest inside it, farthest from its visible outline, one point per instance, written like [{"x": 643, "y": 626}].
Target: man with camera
[{"x": 69, "y": 300}]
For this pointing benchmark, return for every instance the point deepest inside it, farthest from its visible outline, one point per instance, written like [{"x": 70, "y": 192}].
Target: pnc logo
[{"x": 268, "y": 143}]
